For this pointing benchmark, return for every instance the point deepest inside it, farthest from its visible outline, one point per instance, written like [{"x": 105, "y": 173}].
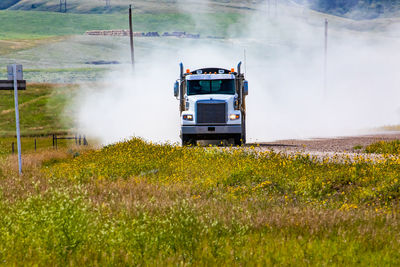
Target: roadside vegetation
[
  {"x": 384, "y": 147},
  {"x": 41, "y": 107},
  {"x": 136, "y": 203}
]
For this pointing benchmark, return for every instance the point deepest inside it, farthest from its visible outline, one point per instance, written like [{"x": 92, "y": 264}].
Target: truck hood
[{"x": 211, "y": 97}]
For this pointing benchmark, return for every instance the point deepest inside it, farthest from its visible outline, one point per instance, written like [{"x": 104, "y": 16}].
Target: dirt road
[{"x": 349, "y": 144}]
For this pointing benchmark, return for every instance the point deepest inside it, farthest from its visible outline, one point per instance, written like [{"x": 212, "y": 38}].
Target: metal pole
[
  {"x": 326, "y": 58},
  {"x": 131, "y": 35},
  {"x": 35, "y": 144},
  {"x": 17, "y": 118}
]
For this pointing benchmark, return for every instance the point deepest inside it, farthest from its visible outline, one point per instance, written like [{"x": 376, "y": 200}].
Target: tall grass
[
  {"x": 243, "y": 174},
  {"x": 384, "y": 147},
  {"x": 135, "y": 203}
]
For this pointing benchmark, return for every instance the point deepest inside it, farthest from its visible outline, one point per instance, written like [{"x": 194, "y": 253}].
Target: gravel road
[{"x": 329, "y": 145}]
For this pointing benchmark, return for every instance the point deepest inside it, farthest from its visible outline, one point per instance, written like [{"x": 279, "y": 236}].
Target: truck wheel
[
  {"x": 238, "y": 140},
  {"x": 187, "y": 140},
  {"x": 244, "y": 132},
  {"x": 244, "y": 139}
]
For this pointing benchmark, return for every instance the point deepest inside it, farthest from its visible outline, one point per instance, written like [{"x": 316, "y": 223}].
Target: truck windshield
[{"x": 205, "y": 87}]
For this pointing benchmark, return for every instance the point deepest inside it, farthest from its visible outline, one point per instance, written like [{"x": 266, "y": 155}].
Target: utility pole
[
  {"x": 17, "y": 117},
  {"x": 63, "y": 5},
  {"x": 326, "y": 59},
  {"x": 108, "y": 4},
  {"x": 131, "y": 35}
]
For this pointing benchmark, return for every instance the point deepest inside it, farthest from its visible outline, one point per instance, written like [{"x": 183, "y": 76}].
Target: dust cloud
[{"x": 285, "y": 69}]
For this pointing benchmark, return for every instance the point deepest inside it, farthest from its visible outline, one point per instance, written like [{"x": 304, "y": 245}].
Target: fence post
[
  {"x": 80, "y": 140},
  {"x": 35, "y": 144},
  {"x": 53, "y": 141},
  {"x": 12, "y": 148},
  {"x": 56, "y": 139}
]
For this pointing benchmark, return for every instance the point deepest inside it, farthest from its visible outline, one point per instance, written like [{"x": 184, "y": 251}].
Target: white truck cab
[{"x": 212, "y": 105}]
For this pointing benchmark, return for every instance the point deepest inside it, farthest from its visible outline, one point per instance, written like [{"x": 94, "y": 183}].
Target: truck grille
[{"x": 211, "y": 112}]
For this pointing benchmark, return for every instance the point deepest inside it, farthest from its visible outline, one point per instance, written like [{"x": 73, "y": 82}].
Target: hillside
[
  {"x": 116, "y": 6},
  {"x": 355, "y": 9},
  {"x": 4, "y": 4}
]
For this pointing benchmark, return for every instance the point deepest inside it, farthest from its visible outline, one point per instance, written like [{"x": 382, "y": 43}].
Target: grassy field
[
  {"x": 118, "y": 6},
  {"x": 34, "y": 25},
  {"x": 383, "y": 147},
  {"x": 135, "y": 203},
  {"x": 41, "y": 109}
]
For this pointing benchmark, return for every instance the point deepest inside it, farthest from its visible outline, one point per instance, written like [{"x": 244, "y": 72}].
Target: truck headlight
[
  {"x": 188, "y": 117},
  {"x": 233, "y": 117}
]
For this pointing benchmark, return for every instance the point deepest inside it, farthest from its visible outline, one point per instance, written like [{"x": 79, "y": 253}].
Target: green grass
[
  {"x": 60, "y": 228},
  {"x": 59, "y": 70},
  {"x": 41, "y": 109},
  {"x": 357, "y": 147},
  {"x": 28, "y": 144},
  {"x": 243, "y": 175},
  {"x": 33, "y": 25},
  {"x": 384, "y": 147},
  {"x": 135, "y": 203}
]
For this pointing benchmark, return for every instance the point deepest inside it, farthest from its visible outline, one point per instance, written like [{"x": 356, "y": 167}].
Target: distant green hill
[
  {"x": 4, "y": 4},
  {"x": 27, "y": 25},
  {"x": 118, "y": 6},
  {"x": 356, "y": 9}
]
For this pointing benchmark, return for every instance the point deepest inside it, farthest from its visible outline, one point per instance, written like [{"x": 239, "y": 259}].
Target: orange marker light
[
  {"x": 188, "y": 71},
  {"x": 232, "y": 70}
]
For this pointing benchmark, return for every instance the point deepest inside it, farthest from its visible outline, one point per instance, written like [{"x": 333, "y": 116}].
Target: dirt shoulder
[{"x": 347, "y": 144}]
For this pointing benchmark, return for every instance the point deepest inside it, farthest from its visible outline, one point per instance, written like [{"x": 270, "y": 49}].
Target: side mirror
[
  {"x": 246, "y": 88},
  {"x": 176, "y": 89}
]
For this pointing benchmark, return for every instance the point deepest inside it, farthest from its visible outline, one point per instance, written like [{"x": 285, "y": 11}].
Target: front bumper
[{"x": 212, "y": 130}]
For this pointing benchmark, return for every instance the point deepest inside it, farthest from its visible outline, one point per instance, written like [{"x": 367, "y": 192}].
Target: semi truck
[{"x": 212, "y": 104}]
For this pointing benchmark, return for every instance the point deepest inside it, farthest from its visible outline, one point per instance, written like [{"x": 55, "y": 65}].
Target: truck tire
[
  {"x": 243, "y": 138},
  {"x": 238, "y": 140},
  {"x": 188, "y": 140},
  {"x": 243, "y": 130}
]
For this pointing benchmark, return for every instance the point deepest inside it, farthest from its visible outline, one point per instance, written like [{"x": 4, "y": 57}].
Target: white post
[{"x": 17, "y": 118}]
